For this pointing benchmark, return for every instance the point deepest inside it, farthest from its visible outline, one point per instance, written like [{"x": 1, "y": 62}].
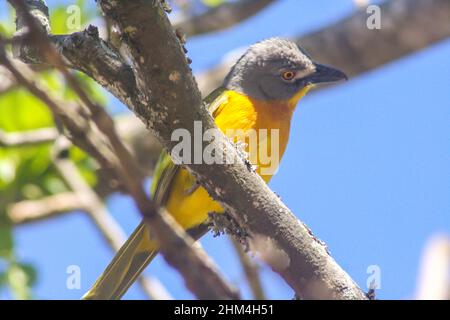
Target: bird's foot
[{"x": 225, "y": 223}]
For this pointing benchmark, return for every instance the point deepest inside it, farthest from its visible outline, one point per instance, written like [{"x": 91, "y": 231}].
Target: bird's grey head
[{"x": 277, "y": 69}]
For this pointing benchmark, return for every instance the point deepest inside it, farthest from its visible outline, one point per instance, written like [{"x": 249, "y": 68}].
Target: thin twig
[
  {"x": 27, "y": 138},
  {"x": 97, "y": 211},
  {"x": 170, "y": 99},
  {"x": 97, "y": 114},
  {"x": 28, "y": 211},
  {"x": 7, "y": 82},
  {"x": 221, "y": 17},
  {"x": 251, "y": 271}
]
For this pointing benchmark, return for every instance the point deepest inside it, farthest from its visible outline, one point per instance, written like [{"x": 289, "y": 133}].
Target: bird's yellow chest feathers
[
  {"x": 262, "y": 127},
  {"x": 241, "y": 112},
  {"x": 269, "y": 121}
]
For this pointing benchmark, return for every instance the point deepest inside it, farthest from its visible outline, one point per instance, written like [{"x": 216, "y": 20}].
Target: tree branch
[
  {"x": 6, "y": 81},
  {"x": 167, "y": 98},
  {"x": 142, "y": 144},
  {"x": 82, "y": 199},
  {"x": 251, "y": 271},
  {"x": 406, "y": 26},
  {"x": 27, "y": 211},
  {"x": 221, "y": 17},
  {"x": 91, "y": 203},
  {"x": 414, "y": 18},
  {"x": 172, "y": 100},
  {"x": 101, "y": 142},
  {"x": 27, "y": 138},
  {"x": 105, "y": 65}
]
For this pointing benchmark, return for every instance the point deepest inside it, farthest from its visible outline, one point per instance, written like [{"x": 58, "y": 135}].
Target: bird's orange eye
[{"x": 288, "y": 75}]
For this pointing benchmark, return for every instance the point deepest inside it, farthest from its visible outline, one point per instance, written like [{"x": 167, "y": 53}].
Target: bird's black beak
[{"x": 325, "y": 74}]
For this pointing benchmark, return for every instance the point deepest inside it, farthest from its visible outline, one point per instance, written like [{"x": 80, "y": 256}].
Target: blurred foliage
[
  {"x": 28, "y": 173},
  {"x": 60, "y": 16},
  {"x": 213, "y": 3},
  {"x": 196, "y": 7}
]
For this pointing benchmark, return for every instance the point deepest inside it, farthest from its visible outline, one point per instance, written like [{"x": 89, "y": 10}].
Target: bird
[{"x": 260, "y": 92}]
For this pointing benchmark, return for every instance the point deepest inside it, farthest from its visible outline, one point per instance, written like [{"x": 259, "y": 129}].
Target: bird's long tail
[{"x": 126, "y": 266}]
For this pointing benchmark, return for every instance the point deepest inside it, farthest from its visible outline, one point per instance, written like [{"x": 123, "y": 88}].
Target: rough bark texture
[
  {"x": 407, "y": 26},
  {"x": 105, "y": 65},
  {"x": 160, "y": 90},
  {"x": 162, "y": 93},
  {"x": 170, "y": 99}
]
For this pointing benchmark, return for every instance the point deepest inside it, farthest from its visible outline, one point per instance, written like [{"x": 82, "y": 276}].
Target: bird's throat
[{"x": 300, "y": 94}]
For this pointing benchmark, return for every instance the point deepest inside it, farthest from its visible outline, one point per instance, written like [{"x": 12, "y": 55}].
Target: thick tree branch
[
  {"x": 105, "y": 65},
  {"x": 313, "y": 264},
  {"x": 102, "y": 143},
  {"x": 221, "y": 17},
  {"x": 167, "y": 99},
  {"x": 406, "y": 26},
  {"x": 171, "y": 99}
]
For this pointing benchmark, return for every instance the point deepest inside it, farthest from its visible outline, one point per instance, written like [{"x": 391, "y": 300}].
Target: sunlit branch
[{"x": 27, "y": 138}]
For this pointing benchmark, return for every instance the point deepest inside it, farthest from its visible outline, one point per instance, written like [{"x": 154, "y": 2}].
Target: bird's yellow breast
[
  {"x": 235, "y": 112},
  {"x": 262, "y": 128}
]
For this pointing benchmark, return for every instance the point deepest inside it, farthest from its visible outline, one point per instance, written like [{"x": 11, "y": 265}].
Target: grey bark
[
  {"x": 170, "y": 99},
  {"x": 164, "y": 95}
]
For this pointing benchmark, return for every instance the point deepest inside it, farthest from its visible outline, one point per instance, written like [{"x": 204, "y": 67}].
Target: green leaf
[
  {"x": 70, "y": 18},
  {"x": 3, "y": 279},
  {"x": 31, "y": 273},
  {"x": 7, "y": 27},
  {"x": 32, "y": 191},
  {"x": 213, "y": 3},
  {"x": 6, "y": 240},
  {"x": 18, "y": 281},
  {"x": 17, "y": 106},
  {"x": 53, "y": 184},
  {"x": 7, "y": 170}
]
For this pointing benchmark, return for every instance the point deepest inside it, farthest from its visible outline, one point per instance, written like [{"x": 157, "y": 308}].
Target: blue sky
[{"x": 367, "y": 168}]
